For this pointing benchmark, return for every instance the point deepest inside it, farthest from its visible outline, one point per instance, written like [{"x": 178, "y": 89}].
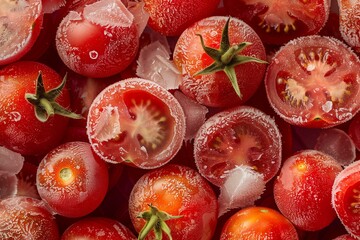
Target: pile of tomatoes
[{"x": 208, "y": 119}]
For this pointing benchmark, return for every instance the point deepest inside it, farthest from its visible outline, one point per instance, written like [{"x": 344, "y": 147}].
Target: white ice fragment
[
  {"x": 195, "y": 114},
  {"x": 141, "y": 16},
  {"x": 241, "y": 188},
  {"x": 108, "y": 125},
  {"x": 327, "y": 106},
  {"x": 108, "y": 13},
  {"x": 338, "y": 144},
  {"x": 10, "y": 161},
  {"x": 154, "y": 64}
]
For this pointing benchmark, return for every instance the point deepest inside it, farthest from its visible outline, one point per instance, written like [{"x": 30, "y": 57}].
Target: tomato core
[{"x": 67, "y": 176}]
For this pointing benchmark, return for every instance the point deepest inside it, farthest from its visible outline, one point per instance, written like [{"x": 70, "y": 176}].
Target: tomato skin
[
  {"x": 20, "y": 28},
  {"x": 345, "y": 198},
  {"x": 94, "y": 49},
  {"x": 178, "y": 191},
  {"x": 302, "y": 191},
  {"x": 354, "y": 130},
  {"x": 20, "y": 130},
  {"x": 244, "y": 225},
  {"x": 72, "y": 180},
  {"x": 171, "y": 18},
  {"x": 309, "y": 82},
  {"x": 147, "y": 124},
  {"x": 215, "y": 89},
  {"x": 308, "y": 17},
  {"x": 97, "y": 228},
  {"x": 26, "y": 218}
]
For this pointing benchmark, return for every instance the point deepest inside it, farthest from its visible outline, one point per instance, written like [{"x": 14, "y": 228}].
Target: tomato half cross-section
[
  {"x": 279, "y": 21},
  {"x": 136, "y": 121},
  {"x": 175, "y": 202},
  {"x": 314, "y": 81},
  {"x": 221, "y": 60},
  {"x": 238, "y": 136}
]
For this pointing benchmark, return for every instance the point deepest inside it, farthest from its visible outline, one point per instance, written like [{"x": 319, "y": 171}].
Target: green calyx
[
  {"x": 44, "y": 102},
  {"x": 155, "y": 220},
  {"x": 227, "y": 57}
]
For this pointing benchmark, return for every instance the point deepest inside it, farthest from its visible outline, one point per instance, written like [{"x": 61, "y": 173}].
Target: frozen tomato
[
  {"x": 346, "y": 197},
  {"x": 171, "y": 18},
  {"x": 176, "y": 200},
  {"x": 72, "y": 180},
  {"x": 258, "y": 223},
  {"x": 98, "y": 228},
  {"x": 242, "y": 135},
  {"x": 354, "y": 130},
  {"x": 221, "y": 61},
  {"x": 349, "y": 22},
  {"x": 98, "y": 40},
  {"x": 20, "y": 26},
  {"x": 136, "y": 121},
  {"x": 31, "y": 96},
  {"x": 310, "y": 82},
  {"x": 278, "y": 21},
  {"x": 26, "y": 218},
  {"x": 302, "y": 190}
]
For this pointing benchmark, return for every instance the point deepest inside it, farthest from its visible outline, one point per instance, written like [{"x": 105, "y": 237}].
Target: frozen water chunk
[
  {"x": 141, "y": 17},
  {"x": 108, "y": 13},
  {"x": 195, "y": 114},
  {"x": 154, "y": 64},
  {"x": 108, "y": 125},
  {"x": 8, "y": 185},
  {"x": 10, "y": 162},
  {"x": 338, "y": 144},
  {"x": 241, "y": 188}
]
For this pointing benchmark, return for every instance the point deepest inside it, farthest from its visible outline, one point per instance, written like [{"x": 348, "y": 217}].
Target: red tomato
[
  {"x": 278, "y": 21},
  {"x": 310, "y": 82},
  {"x": 72, "y": 180},
  {"x": 345, "y": 197},
  {"x": 19, "y": 28},
  {"x": 216, "y": 88},
  {"x": 174, "y": 197},
  {"x": 238, "y": 136},
  {"x": 97, "y": 44},
  {"x": 258, "y": 223},
  {"x": 349, "y": 22},
  {"x": 137, "y": 122},
  {"x": 98, "y": 228},
  {"x": 26, "y": 218},
  {"x": 21, "y": 128},
  {"x": 302, "y": 190},
  {"x": 345, "y": 237},
  {"x": 171, "y": 18}
]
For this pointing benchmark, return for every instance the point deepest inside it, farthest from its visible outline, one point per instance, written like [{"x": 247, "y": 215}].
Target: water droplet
[{"x": 93, "y": 54}]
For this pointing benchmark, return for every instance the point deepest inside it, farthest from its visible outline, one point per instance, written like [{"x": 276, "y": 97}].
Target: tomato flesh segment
[
  {"x": 142, "y": 124},
  {"x": 239, "y": 136},
  {"x": 19, "y": 28}
]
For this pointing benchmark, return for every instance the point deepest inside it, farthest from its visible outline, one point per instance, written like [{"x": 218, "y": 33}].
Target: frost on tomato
[
  {"x": 314, "y": 81},
  {"x": 302, "y": 191},
  {"x": 221, "y": 60},
  {"x": 19, "y": 28},
  {"x": 26, "y": 218},
  {"x": 98, "y": 41},
  {"x": 174, "y": 199},
  {"x": 346, "y": 198},
  {"x": 278, "y": 21},
  {"x": 239, "y": 136},
  {"x": 72, "y": 180},
  {"x": 136, "y": 121},
  {"x": 349, "y": 22}
]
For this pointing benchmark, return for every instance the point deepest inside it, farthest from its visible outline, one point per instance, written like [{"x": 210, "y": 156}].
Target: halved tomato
[
  {"x": 136, "y": 121},
  {"x": 242, "y": 135},
  {"x": 314, "y": 81}
]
